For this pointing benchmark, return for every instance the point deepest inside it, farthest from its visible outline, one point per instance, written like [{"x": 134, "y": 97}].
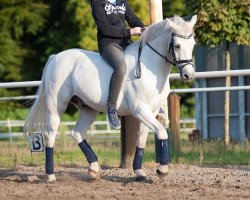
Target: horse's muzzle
[
  {"x": 187, "y": 73},
  {"x": 187, "y": 77}
]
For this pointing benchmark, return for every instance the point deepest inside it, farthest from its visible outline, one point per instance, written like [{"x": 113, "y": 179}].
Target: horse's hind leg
[
  {"x": 54, "y": 110},
  {"x": 52, "y": 127},
  {"x": 86, "y": 117}
]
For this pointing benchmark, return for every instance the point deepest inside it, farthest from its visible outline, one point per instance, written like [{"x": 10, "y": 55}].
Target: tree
[
  {"x": 141, "y": 9},
  {"x": 172, "y": 8},
  {"x": 17, "y": 18},
  {"x": 223, "y": 21}
]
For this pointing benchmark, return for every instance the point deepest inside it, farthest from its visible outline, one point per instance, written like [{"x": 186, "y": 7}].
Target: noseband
[{"x": 175, "y": 62}]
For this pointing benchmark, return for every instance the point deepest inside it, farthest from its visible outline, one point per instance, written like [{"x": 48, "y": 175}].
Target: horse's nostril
[{"x": 186, "y": 76}]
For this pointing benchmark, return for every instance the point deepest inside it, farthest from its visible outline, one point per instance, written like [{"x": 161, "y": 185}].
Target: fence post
[
  {"x": 9, "y": 128},
  {"x": 129, "y": 129},
  {"x": 242, "y": 131},
  {"x": 156, "y": 13},
  {"x": 204, "y": 127},
  {"x": 174, "y": 106},
  {"x": 108, "y": 125},
  {"x": 198, "y": 109}
]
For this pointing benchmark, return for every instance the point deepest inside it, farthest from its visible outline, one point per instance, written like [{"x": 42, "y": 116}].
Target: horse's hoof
[
  {"x": 162, "y": 170},
  {"x": 140, "y": 172},
  {"x": 160, "y": 173},
  {"x": 93, "y": 175},
  {"x": 51, "y": 178},
  {"x": 144, "y": 179},
  {"x": 141, "y": 176}
]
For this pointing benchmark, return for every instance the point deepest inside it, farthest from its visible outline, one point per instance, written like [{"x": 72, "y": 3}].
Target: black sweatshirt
[{"x": 111, "y": 22}]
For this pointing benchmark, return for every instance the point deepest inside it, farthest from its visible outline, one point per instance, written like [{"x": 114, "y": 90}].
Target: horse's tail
[{"x": 36, "y": 120}]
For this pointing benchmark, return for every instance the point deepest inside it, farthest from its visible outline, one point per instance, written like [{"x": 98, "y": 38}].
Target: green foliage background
[
  {"x": 219, "y": 20},
  {"x": 31, "y": 30}
]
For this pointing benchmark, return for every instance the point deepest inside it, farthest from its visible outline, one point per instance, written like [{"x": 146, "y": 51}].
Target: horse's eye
[{"x": 177, "y": 46}]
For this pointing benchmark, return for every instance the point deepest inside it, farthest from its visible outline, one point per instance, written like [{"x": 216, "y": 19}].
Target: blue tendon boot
[
  {"x": 92, "y": 160},
  {"x": 164, "y": 158},
  {"x": 137, "y": 165},
  {"x": 49, "y": 164}
]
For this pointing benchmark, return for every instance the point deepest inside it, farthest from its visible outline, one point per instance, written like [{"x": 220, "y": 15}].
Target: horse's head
[{"x": 181, "y": 46}]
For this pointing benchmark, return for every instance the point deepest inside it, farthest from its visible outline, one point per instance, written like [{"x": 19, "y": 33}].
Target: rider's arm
[
  {"x": 132, "y": 19},
  {"x": 103, "y": 25}
]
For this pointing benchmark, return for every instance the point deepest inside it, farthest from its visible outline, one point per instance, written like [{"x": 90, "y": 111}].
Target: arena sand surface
[{"x": 182, "y": 182}]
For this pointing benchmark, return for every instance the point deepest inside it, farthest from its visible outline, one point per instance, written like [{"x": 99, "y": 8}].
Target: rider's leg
[{"x": 113, "y": 54}]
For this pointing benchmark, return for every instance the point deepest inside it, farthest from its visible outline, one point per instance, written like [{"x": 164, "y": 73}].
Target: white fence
[
  {"x": 212, "y": 74},
  {"x": 198, "y": 75},
  {"x": 98, "y": 127}
]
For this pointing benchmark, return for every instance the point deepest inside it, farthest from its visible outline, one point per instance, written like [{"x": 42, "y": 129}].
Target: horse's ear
[
  {"x": 193, "y": 20},
  {"x": 174, "y": 27}
]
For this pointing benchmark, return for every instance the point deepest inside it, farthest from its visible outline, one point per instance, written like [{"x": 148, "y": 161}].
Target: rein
[{"x": 174, "y": 61}]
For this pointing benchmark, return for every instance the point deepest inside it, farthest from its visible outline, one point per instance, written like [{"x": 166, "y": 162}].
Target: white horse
[{"x": 85, "y": 76}]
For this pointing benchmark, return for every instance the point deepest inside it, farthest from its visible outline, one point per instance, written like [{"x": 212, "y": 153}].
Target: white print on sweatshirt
[{"x": 110, "y": 9}]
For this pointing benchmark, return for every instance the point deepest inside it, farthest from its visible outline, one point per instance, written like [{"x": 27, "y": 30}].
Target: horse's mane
[
  {"x": 154, "y": 30},
  {"x": 161, "y": 27}
]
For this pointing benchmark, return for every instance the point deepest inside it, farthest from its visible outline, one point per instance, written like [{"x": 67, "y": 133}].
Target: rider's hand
[
  {"x": 144, "y": 28},
  {"x": 136, "y": 31}
]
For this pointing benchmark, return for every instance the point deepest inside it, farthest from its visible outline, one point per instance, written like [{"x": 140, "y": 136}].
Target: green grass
[{"x": 107, "y": 148}]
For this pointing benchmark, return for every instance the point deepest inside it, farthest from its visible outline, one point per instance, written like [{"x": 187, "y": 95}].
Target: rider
[{"x": 113, "y": 37}]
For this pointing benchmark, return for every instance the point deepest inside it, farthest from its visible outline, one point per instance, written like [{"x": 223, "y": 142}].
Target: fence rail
[
  {"x": 198, "y": 75},
  {"x": 98, "y": 127},
  {"x": 214, "y": 74},
  {"x": 176, "y": 76},
  {"x": 189, "y": 90}
]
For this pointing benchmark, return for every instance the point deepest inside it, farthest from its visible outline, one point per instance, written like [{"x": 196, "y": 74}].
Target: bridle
[{"x": 175, "y": 62}]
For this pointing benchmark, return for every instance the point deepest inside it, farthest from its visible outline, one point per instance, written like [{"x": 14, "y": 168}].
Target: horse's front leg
[
  {"x": 142, "y": 136},
  {"x": 145, "y": 115},
  {"x": 86, "y": 117}
]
